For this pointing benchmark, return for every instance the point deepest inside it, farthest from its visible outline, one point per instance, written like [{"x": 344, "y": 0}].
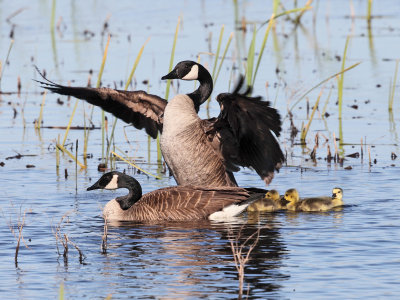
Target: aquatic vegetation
[{"x": 392, "y": 86}]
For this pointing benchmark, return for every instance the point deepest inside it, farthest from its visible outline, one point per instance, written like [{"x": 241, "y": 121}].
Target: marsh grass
[
  {"x": 215, "y": 72},
  {"x": 61, "y": 292},
  {"x": 340, "y": 90},
  {"x": 133, "y": 165},
  {"x": 39, "y": 121},
  {"x": 369, "y": 12},
  {"x": 319, "y": 84},
  {"x": 221, "y": 34},
  {"x": 392, "y": 86},
  {"x": 126, "y": 88},
  {"x": 171, "y": 64},
  {"x": 262, "y": 48},
  {"x": 64, "y": 240},
  {"x": 307, "y": 127},
  {"x": 241, "y": 252},
  {"x": 103, "y": 62},
  {"x": 250, "y": 57},
  {"x": 223, "y": 56},
  {"x": 2, "y": 68}
]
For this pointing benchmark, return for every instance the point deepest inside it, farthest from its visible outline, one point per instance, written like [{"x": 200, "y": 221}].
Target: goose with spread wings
[{"x": 200, "y": 152}]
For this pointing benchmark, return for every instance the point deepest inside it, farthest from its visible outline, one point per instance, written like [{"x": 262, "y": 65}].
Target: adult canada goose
[
  {"x": 198, "y": 152},
  {"x": 315, "y": 203},
  {"x": 177, "y": 203},
  {"x": 271, "y": 202}
]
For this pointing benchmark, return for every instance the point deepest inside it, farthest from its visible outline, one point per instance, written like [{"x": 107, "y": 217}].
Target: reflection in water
[{"x": 195, "y": 259}]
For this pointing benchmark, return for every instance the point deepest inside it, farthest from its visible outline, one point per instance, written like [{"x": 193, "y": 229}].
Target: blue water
[{"x": 349, "y": 253}]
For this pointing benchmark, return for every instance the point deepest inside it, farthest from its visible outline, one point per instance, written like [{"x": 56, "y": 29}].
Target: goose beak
[
  {"x": 94, "y": 187},
  {"x": 172, "y": 75}
]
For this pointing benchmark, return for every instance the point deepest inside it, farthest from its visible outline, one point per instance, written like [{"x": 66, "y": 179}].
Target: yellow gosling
[
  {"x": 315, "y": 203},
  {"x": 271, "y": 202},
  {"x": 292, "y": 196}
]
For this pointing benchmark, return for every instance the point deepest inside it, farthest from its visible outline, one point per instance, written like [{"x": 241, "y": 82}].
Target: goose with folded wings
[{"x": 200, "y": 152}]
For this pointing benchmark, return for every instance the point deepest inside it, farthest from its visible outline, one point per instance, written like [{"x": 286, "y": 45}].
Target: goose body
[
  {"x": 314, "y": 203},
  {"x": 198, "y": 152},
  {"x": 177, "y": 203},
  {"x": 271, "y": 202}
]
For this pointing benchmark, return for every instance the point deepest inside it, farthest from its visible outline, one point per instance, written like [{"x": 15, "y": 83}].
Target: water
[{"x": 349, "y": 253}]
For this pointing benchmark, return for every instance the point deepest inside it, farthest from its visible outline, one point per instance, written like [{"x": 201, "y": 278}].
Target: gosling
[
  {"x": 315, "y": 203},
  {"x": 271, "y": 202}
]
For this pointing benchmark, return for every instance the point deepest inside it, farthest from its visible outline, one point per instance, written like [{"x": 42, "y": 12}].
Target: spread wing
[
  {"x": 139, "y": 108},
  {"x": 244, "y": 132},
  {"x": 180, "y": 203}
]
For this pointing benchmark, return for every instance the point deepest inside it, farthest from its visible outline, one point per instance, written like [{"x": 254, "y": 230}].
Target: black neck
[
  {"x": 135, "y": 191},
  {"x": 201, "y": 95}
]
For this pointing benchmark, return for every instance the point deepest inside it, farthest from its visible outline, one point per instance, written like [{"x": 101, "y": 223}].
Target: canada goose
[
  {"x": 176, "y": 203},
  {"x": 315, "y": 203},
  {"x": 198, "y": 152},
  {"x": 271, "y": 202}
]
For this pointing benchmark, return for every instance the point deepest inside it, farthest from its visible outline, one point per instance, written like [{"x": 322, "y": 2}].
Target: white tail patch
[
  {"x": 113, "y": 184},
  {"x": 228, "y": 212},
  {"x": 193, "y": 74}
]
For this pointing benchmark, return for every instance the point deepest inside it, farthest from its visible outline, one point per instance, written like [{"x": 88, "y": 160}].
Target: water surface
[{"x": 349, "y": 253}]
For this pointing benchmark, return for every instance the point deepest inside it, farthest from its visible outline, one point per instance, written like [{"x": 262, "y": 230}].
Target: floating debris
[
  {"x": 354, "y": 155},
  {"x": 101, "y": 167},
  {"x": 30, "y": 166},
  {"x": 2, "y": 164},
  {"x": 393, "y": 156}
]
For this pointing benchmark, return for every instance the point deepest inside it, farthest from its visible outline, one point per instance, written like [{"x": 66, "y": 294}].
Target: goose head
[
  {"x": 190, "y": 70},
  {"x": 292, "y": 195},
  {"x": 337, "y": 193},
  {"x": 185, "y": 70},
  {"x": 108, "y": 181},
  {"x": 116, "y": 180},
  {"x": 273, "y": 195}
]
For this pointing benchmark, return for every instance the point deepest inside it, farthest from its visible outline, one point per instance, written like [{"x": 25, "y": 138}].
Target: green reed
[
  {"x": 322, "y": 82},
  {"x": 264, "y": 42},
  {"x": 103, "y": 117},
  {"x": 221, "y": 34},
  {"x": 171, "y": 64},
  {"x": 307, "y": 127},
  {"x": 215, "y": 75},
  {"x": 369, "y": 12},
  {"x": 223, "y": 56},
  {"x": 392, "y": 86},
  {"x": 340, "y": 91},
  {"x": 250, "y": 57},
  {"x": 39, "y": 122},
  {"x": 126, "y": 88}
]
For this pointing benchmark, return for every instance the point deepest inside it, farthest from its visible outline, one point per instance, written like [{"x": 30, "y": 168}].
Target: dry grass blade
[
  {"x": 305, "y": 130},
  {"x": 135, "y": 166},
  {"x": 19, "y": 237},
  {"x": 322, "y": 82},
  {"x": 240, "y": 255},
  {"x": 63, "y": 149}
]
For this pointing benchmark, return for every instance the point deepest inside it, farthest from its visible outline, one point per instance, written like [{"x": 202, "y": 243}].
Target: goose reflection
[{"x": 194, "y": 259}]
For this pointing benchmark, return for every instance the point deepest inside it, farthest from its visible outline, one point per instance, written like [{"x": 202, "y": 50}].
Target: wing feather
[
  {"x": 244, "y": 132},
  {"x": 139, "y": 108}
]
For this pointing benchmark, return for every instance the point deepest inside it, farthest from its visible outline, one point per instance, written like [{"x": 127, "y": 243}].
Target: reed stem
[
  {"x": 5, "y": 62},
  {"x": 340, "y": 91},
  {"x": 171, "y": 64},
  {"x": 392, "y": 86},
  {"x": 135, "y": 166}
]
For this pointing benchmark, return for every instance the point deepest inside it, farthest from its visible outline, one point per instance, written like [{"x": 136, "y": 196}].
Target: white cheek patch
[
  {"x": 193, "y": 74},
  {"x": 113, "y": 184}
]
